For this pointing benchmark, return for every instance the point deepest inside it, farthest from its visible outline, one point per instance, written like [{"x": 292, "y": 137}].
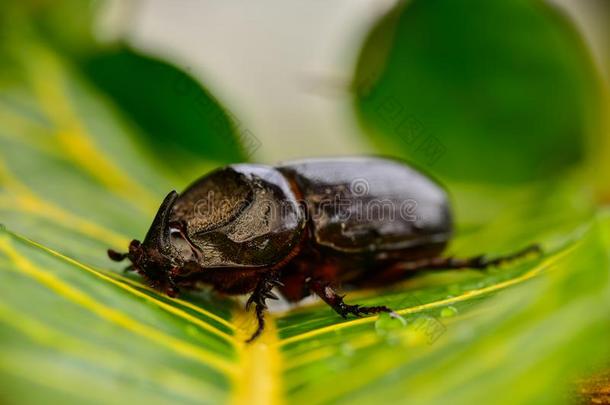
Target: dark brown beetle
[{"x": 304, "y": 226}]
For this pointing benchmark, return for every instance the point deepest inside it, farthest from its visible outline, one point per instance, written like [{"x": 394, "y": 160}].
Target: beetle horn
[{"x": 158, "y": 234}]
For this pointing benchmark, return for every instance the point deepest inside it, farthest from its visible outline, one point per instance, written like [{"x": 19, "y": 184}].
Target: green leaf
[
  {"x": 77, "y": 178},
  {"x": 493, "y": 91},
  {"x": 67, "y": 24},
  {"x": 182, "y": 121}
]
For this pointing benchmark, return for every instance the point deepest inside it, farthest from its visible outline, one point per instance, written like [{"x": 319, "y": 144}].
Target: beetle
[{"x": 305, "y": 227}]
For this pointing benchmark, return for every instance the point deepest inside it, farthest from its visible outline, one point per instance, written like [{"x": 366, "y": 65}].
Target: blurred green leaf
[
  {"x": 67, "y": 24},
  {"x": 180, "y": 119},
  {"x": 494, "y": 91},
  {"x": 76, "y": 178}
]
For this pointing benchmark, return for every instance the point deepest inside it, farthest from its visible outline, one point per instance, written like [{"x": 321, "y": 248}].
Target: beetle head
[{"x": 152, "y": 258}]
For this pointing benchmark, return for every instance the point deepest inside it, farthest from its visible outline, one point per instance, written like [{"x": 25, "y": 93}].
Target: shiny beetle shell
[
  {"x": 371, "y": 204},
  {"x": 250, "y": 216},
  {"x": 240, "y": 216}
]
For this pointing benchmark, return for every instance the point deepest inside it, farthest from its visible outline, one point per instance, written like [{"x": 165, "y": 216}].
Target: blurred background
[
  {"x": 286, "y": 69},
  {"x": 446, "y": 86}
]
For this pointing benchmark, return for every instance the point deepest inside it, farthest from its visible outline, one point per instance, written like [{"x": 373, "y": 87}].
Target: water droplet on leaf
[
  {"x": 414, "y": 336},
  {"x": 387, "y": 324},
  {"x": 192, "y": 330},
  {"x": 448, "y": 312}
]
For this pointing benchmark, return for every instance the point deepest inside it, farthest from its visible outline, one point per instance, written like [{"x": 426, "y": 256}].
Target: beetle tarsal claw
[
  {"x": 270, "y": 295},
  {"x": 277, "y": 283},
  {"x": 249, "y": 302}
]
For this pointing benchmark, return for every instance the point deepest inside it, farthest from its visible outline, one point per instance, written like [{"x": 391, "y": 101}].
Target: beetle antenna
[{"x": 116, "y": 256}]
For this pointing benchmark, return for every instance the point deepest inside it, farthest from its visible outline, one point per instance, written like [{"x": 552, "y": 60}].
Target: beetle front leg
[
  {"x": 261, "y": 293},
  {"x": 178, "y": 278},
  {"x": 332, "y": 298}
]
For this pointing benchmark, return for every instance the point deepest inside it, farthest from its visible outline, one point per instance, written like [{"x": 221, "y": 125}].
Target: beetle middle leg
[
  {"x": 261, "y": 293},
  {"x": 325, "y": 291}
]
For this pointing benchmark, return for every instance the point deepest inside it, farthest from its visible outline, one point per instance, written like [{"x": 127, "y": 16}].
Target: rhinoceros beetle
[{"x": 302, "y": 226}]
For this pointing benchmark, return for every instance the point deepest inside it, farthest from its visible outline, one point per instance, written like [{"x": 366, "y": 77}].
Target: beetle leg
[
  {"x": 177, "y": 277},
  {"x": 477, "y": 262},
  {"x": 172, "y": 289},
  {"x": 332, "y": 298},
  {"x": 261, "y": 293}
]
